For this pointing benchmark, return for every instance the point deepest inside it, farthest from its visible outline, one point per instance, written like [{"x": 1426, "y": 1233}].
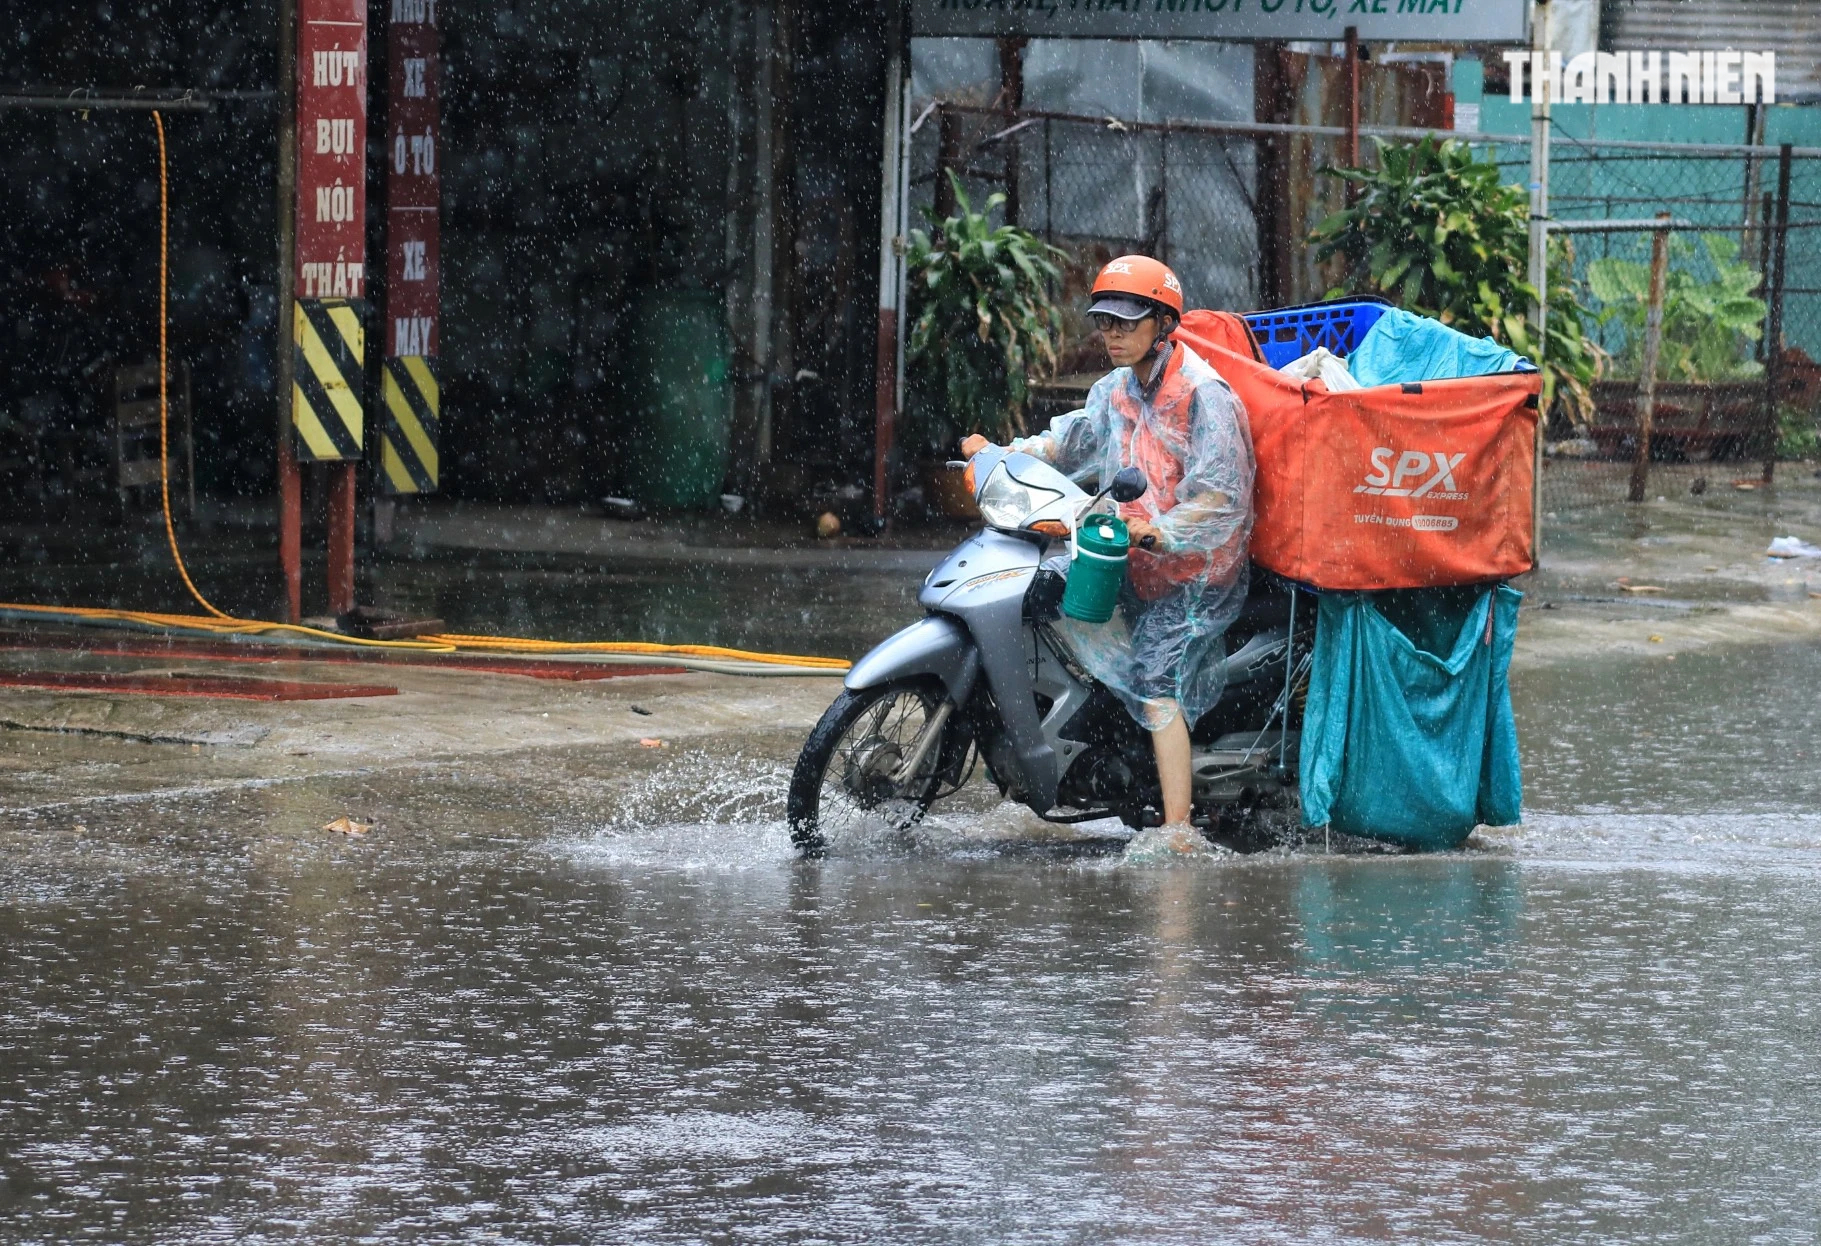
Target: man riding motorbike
[{"x": 1164, "y": 410}]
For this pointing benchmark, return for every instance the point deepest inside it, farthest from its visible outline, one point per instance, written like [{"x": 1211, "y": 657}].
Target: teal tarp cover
[
  {"x": 1402, "y": 346},
  {"x": 1408, "y": 734}
]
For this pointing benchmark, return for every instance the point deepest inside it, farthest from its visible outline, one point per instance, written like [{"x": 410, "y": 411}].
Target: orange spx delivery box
[{"x": 1416, "y": 485}]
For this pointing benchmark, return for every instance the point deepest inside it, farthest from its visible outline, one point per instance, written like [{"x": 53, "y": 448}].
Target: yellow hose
[
  {"x": 220, "y": 623},
  {"x": 514, "y": 644},
  {"x": 444, "y": 642},
  {"x": 233, "y": 625},
  {"x": 164, "y": 405}
]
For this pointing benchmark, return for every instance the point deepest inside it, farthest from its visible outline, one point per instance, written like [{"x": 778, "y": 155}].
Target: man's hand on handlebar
[
  {"x": 1144, "y": 535},
  {"x": 973, "y": 444}
]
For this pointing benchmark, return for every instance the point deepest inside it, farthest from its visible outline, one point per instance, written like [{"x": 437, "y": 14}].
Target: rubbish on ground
[
  {"x": 1324, "y": 365},
  {"x": 828, "y": 524},
  {"x": 1710, "y": 568},
  {"x": 1572, "y": 448},
  {"x": 1656, "y": 640},
  {"x": 732, "y": 503},
  {"x": 621, "y": 508},
  {"x": 1746, "y": 486},
  {"x": 1792, "y": 547},
  {"x": 1641, "y": 588},
  {"x": 372, "y": 623},
  {"x": 345, "y": 825},
  {"x": 651, "y": 742},
  {"x": 640, "y": 710}
]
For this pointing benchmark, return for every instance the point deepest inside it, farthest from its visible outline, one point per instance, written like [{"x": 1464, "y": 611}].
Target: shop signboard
[
  {"x": 409, "y": 390},
  {"x": 331, "y": 213},
  {"x": 1426, "y": 21}
]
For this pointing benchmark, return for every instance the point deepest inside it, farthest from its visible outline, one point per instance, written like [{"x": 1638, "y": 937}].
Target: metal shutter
[{"x": 1791, "y": 28}]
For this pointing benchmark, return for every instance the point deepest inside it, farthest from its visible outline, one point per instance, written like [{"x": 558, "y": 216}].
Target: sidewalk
[
  {"x": 71, "y": 750},
  {"x": 1704, "y": 547}
]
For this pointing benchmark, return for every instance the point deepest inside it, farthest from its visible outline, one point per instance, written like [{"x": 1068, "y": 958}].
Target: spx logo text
[{"x": 1434, "y": 474}]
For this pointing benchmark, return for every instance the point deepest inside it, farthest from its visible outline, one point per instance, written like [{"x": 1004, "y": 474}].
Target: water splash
[{"x": 694, "y": 811}]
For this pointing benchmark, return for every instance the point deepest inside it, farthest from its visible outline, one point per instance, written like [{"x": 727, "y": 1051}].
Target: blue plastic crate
[{"x": 1292, "y": 332}]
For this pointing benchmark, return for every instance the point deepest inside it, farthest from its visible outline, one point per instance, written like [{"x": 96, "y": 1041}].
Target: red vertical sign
[
  {"x": 412, "y": 190},
  {"x": 331, "y": 148},
  {"x": 327, "y": 412},
  {"x": 410, "y": 421}
]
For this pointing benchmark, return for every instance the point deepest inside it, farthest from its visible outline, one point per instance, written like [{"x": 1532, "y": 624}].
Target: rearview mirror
[{"x": 1129, "y": 485}]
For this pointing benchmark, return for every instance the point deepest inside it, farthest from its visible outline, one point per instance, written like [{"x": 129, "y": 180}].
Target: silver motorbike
[{"x": 984, "y": 677}]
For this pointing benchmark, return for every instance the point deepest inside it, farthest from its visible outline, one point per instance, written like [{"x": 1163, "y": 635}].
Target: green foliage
[
  {"x": 984, "y": 318},
  {"x": 1573, "y": 359},
  {"x": 1798, "y": 433},
  {"x": 1708, "y": 326},
  {"x": 1435, "y": 231}
]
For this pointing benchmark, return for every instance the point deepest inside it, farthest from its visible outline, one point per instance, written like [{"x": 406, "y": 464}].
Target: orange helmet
[{"x": 1134, "y": 286}]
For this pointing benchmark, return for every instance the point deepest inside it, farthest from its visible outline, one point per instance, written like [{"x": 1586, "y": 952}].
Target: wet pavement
[{"x": 586, "y": 994}]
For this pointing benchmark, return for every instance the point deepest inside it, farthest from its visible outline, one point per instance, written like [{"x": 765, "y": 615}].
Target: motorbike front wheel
[{"x": 856, "y": 773}]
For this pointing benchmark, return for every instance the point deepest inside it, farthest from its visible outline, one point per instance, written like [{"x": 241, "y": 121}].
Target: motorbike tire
[{"x": 864, "y": 762}]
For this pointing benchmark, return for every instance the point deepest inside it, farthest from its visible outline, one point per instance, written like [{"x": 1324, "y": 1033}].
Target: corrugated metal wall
[
  {"x": 1312, "y": 90},
  {"x": 1791, "y": 28}
]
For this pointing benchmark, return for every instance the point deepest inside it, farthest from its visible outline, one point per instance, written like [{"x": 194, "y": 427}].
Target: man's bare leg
[
  {"x": 1176, "y": 837},
  {"x": 1172, "y": 746}
]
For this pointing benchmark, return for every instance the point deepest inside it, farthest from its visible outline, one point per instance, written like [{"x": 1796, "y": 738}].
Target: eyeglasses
[{"x": 1106, "y": 322}]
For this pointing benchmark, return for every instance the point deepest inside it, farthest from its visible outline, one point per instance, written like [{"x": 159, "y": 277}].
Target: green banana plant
[
  {"x": 1436, "y": 231},
  {"x": 1708, "y": 326}
]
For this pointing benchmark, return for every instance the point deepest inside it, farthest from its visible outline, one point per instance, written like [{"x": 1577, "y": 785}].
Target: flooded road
[{"x": 606, "y": 1004}]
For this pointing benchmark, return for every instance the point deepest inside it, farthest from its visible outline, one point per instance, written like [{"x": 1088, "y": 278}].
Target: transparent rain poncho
[{"x": 1162, "y": 652}]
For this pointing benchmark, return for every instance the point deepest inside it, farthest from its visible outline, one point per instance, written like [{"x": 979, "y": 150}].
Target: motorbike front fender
[{"x": 934, "y": 645}]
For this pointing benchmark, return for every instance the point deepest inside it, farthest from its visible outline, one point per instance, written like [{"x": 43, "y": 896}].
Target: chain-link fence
[
  {"x": 1101, "y": 187},
  {"x": 1227, "y": 205},
  {"x": 1230, "y": 207},
  {"x": 1736, "y": 384}
]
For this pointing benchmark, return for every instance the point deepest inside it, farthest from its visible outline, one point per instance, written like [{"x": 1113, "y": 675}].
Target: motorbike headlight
[{"x": 1005, "y": 500}]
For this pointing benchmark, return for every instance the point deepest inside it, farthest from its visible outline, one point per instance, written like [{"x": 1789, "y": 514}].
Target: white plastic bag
[
  {"x": 1792, "y": 547},
  {"x": 1324, "y": 365}
]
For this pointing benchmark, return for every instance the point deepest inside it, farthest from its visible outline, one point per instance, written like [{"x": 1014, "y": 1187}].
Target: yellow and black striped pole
[
  {"x": 409, "y": 426},
  {"x": 327, "y": 383}
]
